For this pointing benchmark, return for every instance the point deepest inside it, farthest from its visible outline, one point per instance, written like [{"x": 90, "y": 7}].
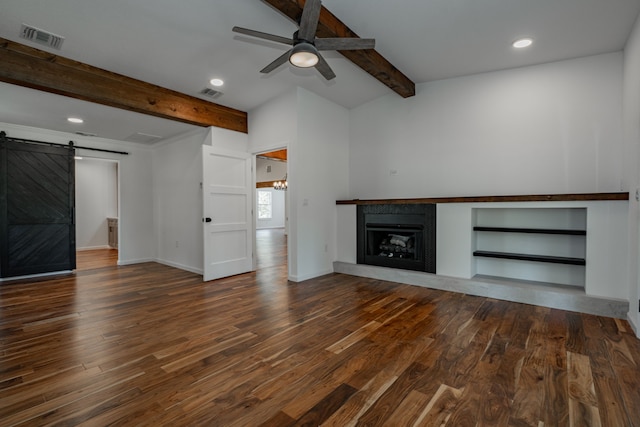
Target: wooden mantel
[{"x": 484, "y": 199}]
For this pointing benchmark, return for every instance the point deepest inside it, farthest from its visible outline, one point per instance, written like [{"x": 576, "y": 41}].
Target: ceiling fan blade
[
  {"x": 278, "y": 62},
  {"x": 344, "y": 43},
  {"x": 309, "y": 20},
  {"x": 324, "y": 68},
  {"x": 261, "y": 35}
]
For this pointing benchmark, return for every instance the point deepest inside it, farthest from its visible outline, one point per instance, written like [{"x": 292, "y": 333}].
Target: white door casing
[{"x": 227, "y": 212}]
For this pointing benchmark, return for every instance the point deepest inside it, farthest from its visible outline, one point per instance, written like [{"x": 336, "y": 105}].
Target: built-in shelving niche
[{"x": 545, "y": 245}]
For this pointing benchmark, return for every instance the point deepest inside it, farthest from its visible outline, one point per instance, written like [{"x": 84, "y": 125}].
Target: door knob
[{"x": 207, "y": 219}]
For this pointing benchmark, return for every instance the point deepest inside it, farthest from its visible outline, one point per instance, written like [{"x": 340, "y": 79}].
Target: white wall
[
  {"x": 277, "y": 219},
  {"x": 552, "y": 128},
  {"x": 347, "y": 233},
  {"x": 274, "y": 124},
  {"x": 228, "y": 139},
  {"x": 96, "y": 200},
  {"x": 136, "y": 243},
  {"x": 177, "y": 170},
  {"x": 319, "y": 175},
  {"x": 631, "y": 106}
]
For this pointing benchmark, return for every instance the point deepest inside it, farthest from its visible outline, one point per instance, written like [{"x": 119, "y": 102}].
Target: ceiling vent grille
[
  {"x": 40, "y": 36},
  {"x": 211, "y": 93},
  {"x": 144, "y": 138}
]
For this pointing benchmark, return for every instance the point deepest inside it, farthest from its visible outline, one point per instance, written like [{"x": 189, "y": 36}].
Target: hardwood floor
[
  {"x": 271, "y": 247},
  {"x": 151, "y": 345},
  {"x": 96, "y": 258}
]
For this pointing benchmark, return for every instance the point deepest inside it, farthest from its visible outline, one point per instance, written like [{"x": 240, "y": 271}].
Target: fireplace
[{"x": 398, "y": 236}]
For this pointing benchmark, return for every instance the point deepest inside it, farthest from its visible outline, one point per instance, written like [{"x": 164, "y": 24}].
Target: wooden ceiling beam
[
  {"x": 29, "y": 67},
  {"x": 275, "y": 155},
  {"x": 367, "y": 59}
]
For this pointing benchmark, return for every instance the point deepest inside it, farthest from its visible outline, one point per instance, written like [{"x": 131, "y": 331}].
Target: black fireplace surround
[{"x": 397, "y": 236}]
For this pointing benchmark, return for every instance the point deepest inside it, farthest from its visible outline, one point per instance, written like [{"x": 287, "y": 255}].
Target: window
[{"x": 264, "y": 204}]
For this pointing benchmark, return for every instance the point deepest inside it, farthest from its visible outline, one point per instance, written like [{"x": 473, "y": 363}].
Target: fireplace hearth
[{"x": 397, "y": 236}]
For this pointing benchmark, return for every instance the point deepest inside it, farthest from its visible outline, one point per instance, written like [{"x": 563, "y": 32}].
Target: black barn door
[{"x": 37, "y": 202}]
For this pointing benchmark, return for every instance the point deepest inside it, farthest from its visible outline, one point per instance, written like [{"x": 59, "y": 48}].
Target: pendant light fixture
[{"x": 281, "y": 185}]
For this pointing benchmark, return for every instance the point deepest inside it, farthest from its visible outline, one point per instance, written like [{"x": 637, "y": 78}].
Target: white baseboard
[
  {"x": 161, "y": 261},
  {"x": 633, "y": 324},
  {"x": 295, "y": 278},
  {"x": 180, "y": 266},
  {"x": 93, "y": 248},
  {"x": 35, "y": 276},
  {"x": 135, "y": 261}
]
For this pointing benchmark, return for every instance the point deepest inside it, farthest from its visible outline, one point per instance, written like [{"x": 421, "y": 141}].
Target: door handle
[{"x": 207, "y": 219}]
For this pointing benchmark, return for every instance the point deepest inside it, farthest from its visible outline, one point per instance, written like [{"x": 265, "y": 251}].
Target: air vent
[
  {"x": 40, "y": 36},
  {"x": 211, "y": 93},
  {"x": 144, "y": 138},
  {"x": 86, "y": 133}
]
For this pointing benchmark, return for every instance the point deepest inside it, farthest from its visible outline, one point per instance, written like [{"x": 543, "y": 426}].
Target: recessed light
[
  {"x": 522, "y": 43},
  {"x": 216, "y": 82},
  {"x": 75, "y": 120}
]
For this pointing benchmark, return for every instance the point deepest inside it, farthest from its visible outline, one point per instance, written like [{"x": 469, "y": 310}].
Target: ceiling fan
[{"x": 305, "y": 52}]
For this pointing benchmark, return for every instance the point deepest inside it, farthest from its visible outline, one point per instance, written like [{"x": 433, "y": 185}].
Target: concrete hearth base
[{"x": 536, "y": 293}]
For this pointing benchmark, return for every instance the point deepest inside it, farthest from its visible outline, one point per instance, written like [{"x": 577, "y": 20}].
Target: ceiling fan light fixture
[{"x": 304, "y": 55}]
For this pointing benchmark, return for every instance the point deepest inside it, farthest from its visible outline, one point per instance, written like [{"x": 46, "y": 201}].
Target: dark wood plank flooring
[
  {"x": 96, "y": 258},
  {"x": 152, "y": 345},
  {"x": 271, "y": 248}
]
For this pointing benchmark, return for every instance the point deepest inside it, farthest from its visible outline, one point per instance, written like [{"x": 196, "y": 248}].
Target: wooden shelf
[
  {"x": 532, "y": 230},
  {"x": 535, "y": 258},
  {"x": 485, "y": 199}
]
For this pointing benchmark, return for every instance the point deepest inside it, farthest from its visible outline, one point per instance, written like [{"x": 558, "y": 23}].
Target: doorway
[
  {"x": 271, "y": 202},
  {"x": 97, "y": 213}
]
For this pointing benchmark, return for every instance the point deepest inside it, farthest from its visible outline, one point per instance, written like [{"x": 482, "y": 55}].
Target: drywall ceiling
[{"x": 182, "y": 45}]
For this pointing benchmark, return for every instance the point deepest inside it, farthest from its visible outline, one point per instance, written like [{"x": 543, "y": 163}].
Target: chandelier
[{"x": 281, "y": 185}]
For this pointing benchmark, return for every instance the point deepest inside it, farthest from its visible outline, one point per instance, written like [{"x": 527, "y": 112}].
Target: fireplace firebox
[{"x": 397, "y": 236}]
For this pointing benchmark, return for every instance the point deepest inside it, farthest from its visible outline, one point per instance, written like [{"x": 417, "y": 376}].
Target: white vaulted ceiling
[{"x": 182, "y": 45}]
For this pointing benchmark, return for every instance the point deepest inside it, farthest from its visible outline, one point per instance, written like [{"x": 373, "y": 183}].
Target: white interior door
[{"x": 227, "y": 204}]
